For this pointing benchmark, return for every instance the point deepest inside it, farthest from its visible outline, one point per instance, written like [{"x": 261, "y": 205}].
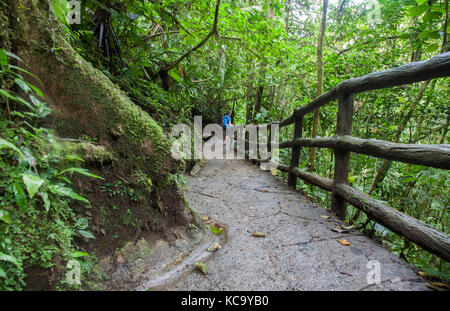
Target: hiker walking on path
[{"x": 226, "y": 123}]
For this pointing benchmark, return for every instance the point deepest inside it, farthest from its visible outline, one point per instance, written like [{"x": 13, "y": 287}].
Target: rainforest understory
[{"x": 87, "y": 110}]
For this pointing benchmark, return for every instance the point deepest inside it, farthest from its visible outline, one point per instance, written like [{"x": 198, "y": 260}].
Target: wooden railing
[{"x": 343, "y": 144}]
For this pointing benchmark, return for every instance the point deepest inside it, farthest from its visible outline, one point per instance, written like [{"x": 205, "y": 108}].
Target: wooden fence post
[
  {"x": 292, "y": 179},
  {"x": 342, "y": 157}
]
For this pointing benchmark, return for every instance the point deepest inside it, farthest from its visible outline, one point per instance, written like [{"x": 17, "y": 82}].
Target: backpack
[{"x": 225, "y": 120}]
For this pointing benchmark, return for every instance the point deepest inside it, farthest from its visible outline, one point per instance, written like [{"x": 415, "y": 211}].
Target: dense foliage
[
  {"x": 38, "y": 214},
  {"x": 180, "y": 58}
]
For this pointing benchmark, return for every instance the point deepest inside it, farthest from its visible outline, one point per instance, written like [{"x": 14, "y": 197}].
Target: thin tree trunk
[
  {"x": 443, "y": 48},
  {"x": 287, "y": 7},
  {"x": 258, "y": 101},
  {"x": 312, "y": 151},
  {"x": 416, "y": 135},
  {"x": 381, "y": 173},
  {"x": 444, "y": 133},
  {"x": 444, "y": 28},
  {"x": 260, "y": 89},
  {"x": 416, "y": 57},
  {"x": 250, "y": 79}
]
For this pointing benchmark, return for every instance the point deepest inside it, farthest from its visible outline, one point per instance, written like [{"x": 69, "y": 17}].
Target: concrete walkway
[{"x": 300, "y": 250}]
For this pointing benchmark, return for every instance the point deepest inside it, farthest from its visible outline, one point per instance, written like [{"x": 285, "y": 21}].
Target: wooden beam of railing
[
  {"x": 437, "y": 156},
  {"x": 414, "y": 230},
  {"x": 436, "y": 67},
  {"x": 313, "y": 179},
  {"x": 342, "y": 156},
  {"x": 409, "y": 227}
]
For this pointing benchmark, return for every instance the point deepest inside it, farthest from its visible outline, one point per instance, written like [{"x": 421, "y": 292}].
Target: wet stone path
[{"x": 300, "y": 250}]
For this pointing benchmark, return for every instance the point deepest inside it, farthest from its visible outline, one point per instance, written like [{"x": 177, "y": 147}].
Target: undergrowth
[{"x": 38, "y": 205}]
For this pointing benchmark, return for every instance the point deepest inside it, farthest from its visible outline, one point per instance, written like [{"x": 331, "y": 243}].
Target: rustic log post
[
  {"x": 247, "y": 144},
  {"x": 292, "y": 178},
  {"x": 342, "y": 157}
]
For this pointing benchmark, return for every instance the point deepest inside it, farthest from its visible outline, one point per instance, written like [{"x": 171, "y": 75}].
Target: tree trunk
[
  {"x": 381, "y": 173},
  {"x": 288, "y": 9},
  {"x": 258, "y": 101},
  {"x": 445, "y": 130},
  {"x": 312, "y": 151},
  {"x": 250, "y": 91}
]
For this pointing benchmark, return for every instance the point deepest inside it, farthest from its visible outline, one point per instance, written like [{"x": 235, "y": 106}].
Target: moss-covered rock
[{"x": 87, "y": 103}]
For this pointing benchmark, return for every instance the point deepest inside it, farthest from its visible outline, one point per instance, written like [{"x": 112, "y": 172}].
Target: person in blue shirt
[{"x": 226, "y": 123}]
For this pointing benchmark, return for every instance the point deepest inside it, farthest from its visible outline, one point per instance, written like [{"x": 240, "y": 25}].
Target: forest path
[{"x": 299, "y": 252}]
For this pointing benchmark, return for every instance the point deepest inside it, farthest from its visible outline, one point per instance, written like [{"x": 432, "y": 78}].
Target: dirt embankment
[{"x": 140, "y": 195}]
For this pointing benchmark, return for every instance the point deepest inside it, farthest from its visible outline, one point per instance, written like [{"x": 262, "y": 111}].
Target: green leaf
[
  {"x": 33, "y": 183},
  {"x": 8, "y": 258},
  {"x": 21, "y": 198},
  {"x": 429, "y": 16},
  {"x": 36, "y": 102},
  {"x": 417, "y": 10},
  {"x": 410, "y": 179},
  {"x": 74, "y": 158},
  {"x": 15, "y": 98},
  {"x": 6, "y": 144},
  {"x": 28, "y": 87},
  {"x": 3, "y": 58},
  {"x": 432, "y": 48},
  {"x": 81, "y": 171},
  {"x": 4, "y": 216},
  {"x": 215, "y": 230},
  {"x": 46, "y": 200},
  {"x": 61, "y": 10},
  {"x": 28, "y": 157},
  {"x": 86, "y": 234},
  {"x": 23, "y": 85},
  {"x": 201, "y": 266},
  {"x": 82, "y": 223},
  {"x": 35, "y": 89},
  {"x": 67, "y": 192},
  {"x": 2, "y": 273},
  {"x": 25, "y": 71},
  {"x": 174, "y": 74},
  {"x": 80, "y": 254},
  {"x": 351, "y": 179},
  {"x": 12, "y": 55}
]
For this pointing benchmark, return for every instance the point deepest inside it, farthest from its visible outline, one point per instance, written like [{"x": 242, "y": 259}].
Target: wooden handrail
[
  {"x": 436, "y": 67},
  {"x": 343, "y": 144},
  {"x": 411, "y": 228},
  {"x": 437, "y": 156}
]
